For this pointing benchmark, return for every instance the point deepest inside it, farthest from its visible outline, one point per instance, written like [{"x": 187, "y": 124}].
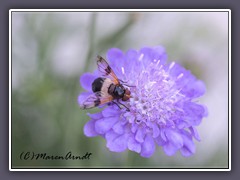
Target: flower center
[{"x": 154, "y": 97}]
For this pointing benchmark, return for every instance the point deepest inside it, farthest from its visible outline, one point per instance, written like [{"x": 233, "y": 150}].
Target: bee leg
[
  {"x": 128, "y": 85},
  {"x": 116, "y": 104},
  {"x": 125, "y": 83},
  {"x": 122, "y": 81},
  {"x": 124, "y": 106}
]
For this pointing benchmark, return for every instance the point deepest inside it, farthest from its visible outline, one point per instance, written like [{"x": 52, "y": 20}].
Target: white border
[
  {"x": 119, "y": 10},
  {"x": 229, "y": 89},
  {"x": 10, "y": 88}
]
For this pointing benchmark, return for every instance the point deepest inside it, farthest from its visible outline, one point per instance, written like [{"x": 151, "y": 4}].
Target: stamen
[
  {"x": 180, "y": 76},
  {"x": 171, "y": 65},
  {"x": 141, "y": 57},
  {"x": 123, "y": 70}
]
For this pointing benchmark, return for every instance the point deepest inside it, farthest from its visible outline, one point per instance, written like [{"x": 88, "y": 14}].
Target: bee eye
[{"x": 119, "y": 92}]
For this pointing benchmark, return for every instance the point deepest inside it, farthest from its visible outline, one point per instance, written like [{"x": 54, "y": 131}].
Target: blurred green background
[{"x": 51, "y": 50}]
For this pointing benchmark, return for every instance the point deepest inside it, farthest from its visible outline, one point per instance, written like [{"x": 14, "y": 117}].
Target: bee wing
[
  {"x": 106, "y": 70},
  {"x": 95, "y": 100}
]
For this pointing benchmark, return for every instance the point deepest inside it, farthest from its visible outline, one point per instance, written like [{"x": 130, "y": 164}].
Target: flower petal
[
  {"x": 114, "y": 55},
  {"x": 185, "y": 152},
  {"x": 175, "y": 138},
  {"x": 109, "y": 112},
  {"x": 151, "y": 54},
  {"x": 145, "y": 54},
  {"x": 133, "y": 145},
  {"x": 105, "y": 124},
  {"x": 148, "y": 147},
  {"x": 194, "y": 89},
  {"x": 182, "y": 124},
  {"x": 118, "y": 127},
  {"x": 118, "y": 144},
  {"x": 95, "y": 116},
  {"x": 163, "y": 135},
  {"x": 131, "y": 56},
  {"x": 155, "y": 130},
  {"x": 189, "y": 147},
  {"x": 194, "y": 113},
  {"x": 194, "y": 133},
  {"x": 199, "y": 88},
  {"x": 160, "y": 141},
  {"x": 89, "y": 129},
  {"x": 159, "y": 53},
  {"x": 140, "y": 135},
  {"x": 205, "y": 111},
  {"x": 110, "y": 136},
  {"x": 169, "y": 149},
  {"x": 86, "y": 81},
  {"x": 134, "y": 127}
]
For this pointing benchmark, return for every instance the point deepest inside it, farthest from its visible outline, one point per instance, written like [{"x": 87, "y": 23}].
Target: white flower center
[{"x": 154, "y": 97}]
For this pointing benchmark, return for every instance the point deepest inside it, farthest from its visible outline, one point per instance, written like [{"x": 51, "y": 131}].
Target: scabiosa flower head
[{"x": 163, "y": 107}]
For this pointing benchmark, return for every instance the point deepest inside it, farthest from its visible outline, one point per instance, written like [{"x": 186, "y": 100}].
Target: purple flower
[{"x": 163, "y": 106}]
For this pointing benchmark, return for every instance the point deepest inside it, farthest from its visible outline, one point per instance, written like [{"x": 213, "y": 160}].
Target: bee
[{"x": 106, "y": 89}]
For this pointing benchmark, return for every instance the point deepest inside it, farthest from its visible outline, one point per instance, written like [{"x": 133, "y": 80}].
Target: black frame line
[{"x": 11, "y": 168}]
